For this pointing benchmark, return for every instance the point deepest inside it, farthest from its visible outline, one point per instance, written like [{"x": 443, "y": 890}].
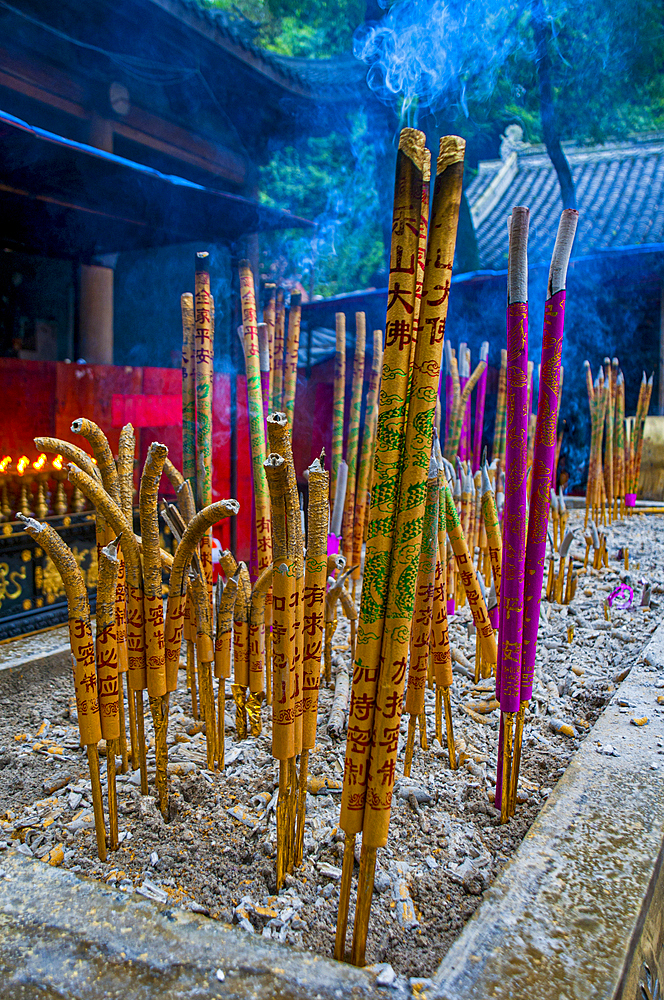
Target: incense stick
[
  {"x": 382, "y": 514},
  {"x": 508, "y": 668},
  {"x": 292, "y": 353},
  {"x": 353, "y": 435},
  {"x": 408, "y": 529},
  {"x": 339, "y": 400}
]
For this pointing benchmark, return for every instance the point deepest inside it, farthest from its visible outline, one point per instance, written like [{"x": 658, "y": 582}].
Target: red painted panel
[
  {"x": 221, "y": 450},
  {"x": 87, "y": 391},
  {"x": 147, "y": 411},
  {"x": 28, "y": 395},
  {"x": 245, "y": 487}
]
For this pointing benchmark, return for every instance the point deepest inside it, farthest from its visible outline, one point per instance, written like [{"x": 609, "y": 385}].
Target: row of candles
[{"x": 36, "y": 487}]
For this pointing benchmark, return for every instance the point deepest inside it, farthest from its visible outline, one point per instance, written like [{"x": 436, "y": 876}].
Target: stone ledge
[
  {"x": 579, "y": 909},
  {"x": 57, "y": 930}
]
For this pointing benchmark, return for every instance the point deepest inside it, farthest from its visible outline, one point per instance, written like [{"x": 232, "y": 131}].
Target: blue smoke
[{"x": 433, "y": 52}]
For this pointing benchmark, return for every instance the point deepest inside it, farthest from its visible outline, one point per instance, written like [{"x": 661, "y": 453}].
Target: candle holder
[{"x": 60, "y": 503}]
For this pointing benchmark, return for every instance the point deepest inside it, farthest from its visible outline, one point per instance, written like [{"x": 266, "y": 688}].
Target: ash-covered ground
[{"x": 217, "y": 855}]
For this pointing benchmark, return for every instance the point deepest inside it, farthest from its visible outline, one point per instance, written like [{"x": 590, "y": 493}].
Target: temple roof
[
  {"x": 336, "y": 80},
  {"x": 619, "y": 191}
]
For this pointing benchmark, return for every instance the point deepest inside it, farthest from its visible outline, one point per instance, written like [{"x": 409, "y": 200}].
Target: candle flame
[
  {"x": 39, "y": 464},
  {"x": 22, "y": 464},
  {"x": 57, "y": 463},
  {"x": 7, "y": 460}
]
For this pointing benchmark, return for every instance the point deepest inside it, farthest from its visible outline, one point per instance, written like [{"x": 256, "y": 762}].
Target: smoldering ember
[{"x": 332, "y": 499}]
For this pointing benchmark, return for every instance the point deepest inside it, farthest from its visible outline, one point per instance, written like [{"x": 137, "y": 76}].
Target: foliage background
[{"x": 607, "y": 75}]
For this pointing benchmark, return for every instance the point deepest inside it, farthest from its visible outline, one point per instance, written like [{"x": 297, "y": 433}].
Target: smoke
[{"x": 432, "y": 51}]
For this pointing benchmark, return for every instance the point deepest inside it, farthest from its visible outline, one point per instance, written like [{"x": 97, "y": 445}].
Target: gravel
[{"x": 217, "y": 854}]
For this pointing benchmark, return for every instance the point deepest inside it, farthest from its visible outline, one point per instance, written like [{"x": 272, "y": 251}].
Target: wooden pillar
[{"x": 95, "y": 332}]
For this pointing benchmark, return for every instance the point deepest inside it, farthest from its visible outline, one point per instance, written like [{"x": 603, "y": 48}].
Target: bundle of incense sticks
[
  {"x": 399, "y": 508},
  {"x": 153, "y": 644},
  {"x": 543, "y": 458},
  {"x": 636, "y": 439},
  {"x": 508, "y": 670},
  {"x": 382, "y": 513},
  {"x": 615, "y": 457}
]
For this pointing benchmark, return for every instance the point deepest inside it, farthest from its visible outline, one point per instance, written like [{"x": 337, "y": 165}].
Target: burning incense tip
[{"x": 452, "y": 149}]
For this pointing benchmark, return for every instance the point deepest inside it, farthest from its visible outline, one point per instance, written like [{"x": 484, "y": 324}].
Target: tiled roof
[
  {"x": 322, "y": 80},
  {"x": 619, "y": 192}
]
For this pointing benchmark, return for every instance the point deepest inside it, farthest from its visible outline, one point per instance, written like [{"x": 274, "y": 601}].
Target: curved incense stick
[
  {"x": 83, "y": 654},
  {"x": 57, "y": 446},
  {"x": 98, "y": 441}
]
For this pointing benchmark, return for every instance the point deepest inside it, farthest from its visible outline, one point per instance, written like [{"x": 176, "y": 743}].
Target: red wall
[{"x": 44, "y": 397}]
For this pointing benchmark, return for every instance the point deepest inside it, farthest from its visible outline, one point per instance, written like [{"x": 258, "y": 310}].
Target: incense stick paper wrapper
[
  {"x": 384, "y": 495},
  {"x": 315, "y": 576},
  {"x": 292, "y": 350},
  {"x": 413, "y": 490},
  {"x": 241, "y": 631},
  {"x": 257, "y": 632},
  {"x": 423, "y": 609},
  {"x": 508, "y": 676},
  {"x": 152, "y": 599},
  {"x": 204, "y": 349},
  {"x": 543, "y": 459},
  {"x": 224, "y": 638},
  {"x": 196, "y": 530},
  {"x": 264, "y": 358},
  {"x": 280, "y": 443},
  {"x": 479, "y": 407},
  {"x": 440, "y": 636},
  {"x": 339, "y": 399},
  {"x": 350, "y": 505},
  {"x": 459, "y": 415},
  {"x": 188, "y": 389},
  {"x": 107, "y": 645},
  {"x": 498, "y": 438},
  {"x": 362, "y": 492},
  {"x": 283, "y": 709},
  {"x": 492, "y": 528},
  {"x": 256, "y": 421},
  {"x": 468, "y": 577},
  {"x": 94, "y": 491},
  {"x": 269, "y": 313},
  {"x": 278, "y": 353},
  {"x": 80, "y": 633}
]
